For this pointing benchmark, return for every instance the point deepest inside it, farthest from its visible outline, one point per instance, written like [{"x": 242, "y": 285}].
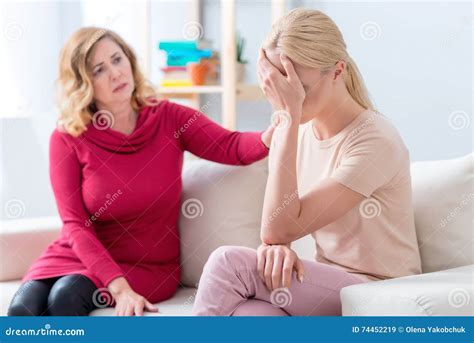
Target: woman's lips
[{"x": 120, "y": 87}]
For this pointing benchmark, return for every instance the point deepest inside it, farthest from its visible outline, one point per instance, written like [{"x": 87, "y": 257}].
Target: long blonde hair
[
  {"x": 312, "y": 39},
  {"x": 75, "y": 91}
]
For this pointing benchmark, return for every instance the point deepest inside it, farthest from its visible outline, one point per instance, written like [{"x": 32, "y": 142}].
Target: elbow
[{"x": 271, "y": 235}]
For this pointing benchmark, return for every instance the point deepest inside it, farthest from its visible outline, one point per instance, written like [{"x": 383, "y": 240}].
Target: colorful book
[
  {"x": 177, "y": 75},
  {"x": 173, "y": 69},
  {"x": 184, "y": 45},
  {"x": 175, "y": 83}
]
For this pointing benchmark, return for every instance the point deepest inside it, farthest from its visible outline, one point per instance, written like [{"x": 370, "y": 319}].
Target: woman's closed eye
[{"x": 97, "y": 71}]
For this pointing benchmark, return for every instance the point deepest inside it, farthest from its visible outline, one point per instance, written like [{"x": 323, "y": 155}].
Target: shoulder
[
  {"x": 61, "y": 140},
  {"x": 60, "y": 136},
  {"x": 377, "y": 132}
]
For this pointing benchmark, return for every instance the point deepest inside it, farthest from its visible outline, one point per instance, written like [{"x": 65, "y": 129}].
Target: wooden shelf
[
  {"x": 190, "y": 90},
  {"x": 249, "y": 92}
]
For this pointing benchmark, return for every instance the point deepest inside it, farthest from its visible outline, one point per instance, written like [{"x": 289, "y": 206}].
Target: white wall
[{"x": 419, "y": 71}]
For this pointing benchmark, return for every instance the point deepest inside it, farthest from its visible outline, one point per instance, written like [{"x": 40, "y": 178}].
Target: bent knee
[
  {"x": 62, "y": 298},
  {"x": 234, "y": 256},
  {"x": 20, "y": 309}
]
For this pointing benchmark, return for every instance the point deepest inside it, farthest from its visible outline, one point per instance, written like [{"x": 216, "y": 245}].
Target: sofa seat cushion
[
  {"x": 181, "y": 304},
  {"x": 445, "y": 293}
]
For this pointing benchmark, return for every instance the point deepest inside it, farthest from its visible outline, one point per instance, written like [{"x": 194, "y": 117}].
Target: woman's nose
[{"x": 114, "y": 73}]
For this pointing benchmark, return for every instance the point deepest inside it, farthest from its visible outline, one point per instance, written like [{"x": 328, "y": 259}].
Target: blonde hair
[
  {"x": 312, "y": 39},
  {"x": 75, "y": 91}
]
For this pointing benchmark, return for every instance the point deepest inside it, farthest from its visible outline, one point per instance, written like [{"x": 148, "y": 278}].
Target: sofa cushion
[
  {"x": 221, "y": 205},
  {"x": 446, "y": 293},
  {"x": 181, "y": 304},
  {"x": 22, "y": 241},
  {"x": 7, "y": 290},
  {"x": 443, "y": 203}
]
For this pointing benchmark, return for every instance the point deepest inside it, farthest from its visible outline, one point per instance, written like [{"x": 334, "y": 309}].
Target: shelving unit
[
  {"x": 191, "y": 90},
  {"x": 229, "y": 89}
]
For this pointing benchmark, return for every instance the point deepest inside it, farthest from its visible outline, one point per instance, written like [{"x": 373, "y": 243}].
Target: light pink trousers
[{"x": 230, "y": 286}]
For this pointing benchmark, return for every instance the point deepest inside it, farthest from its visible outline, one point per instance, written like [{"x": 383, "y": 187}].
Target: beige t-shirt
[{"x": 376, "y": 238}]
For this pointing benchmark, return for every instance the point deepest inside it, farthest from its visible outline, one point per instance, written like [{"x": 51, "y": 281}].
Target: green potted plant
[{"x": 240, "y": 65}]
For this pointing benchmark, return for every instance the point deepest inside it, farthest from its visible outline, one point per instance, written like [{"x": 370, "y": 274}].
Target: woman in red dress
[{"x": 115, "y": 168}]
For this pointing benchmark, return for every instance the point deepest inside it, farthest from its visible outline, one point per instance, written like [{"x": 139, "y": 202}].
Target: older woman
[{"x": 115, "y": 167}]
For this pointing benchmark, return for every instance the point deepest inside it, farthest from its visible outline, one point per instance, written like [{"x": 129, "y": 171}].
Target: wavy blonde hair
[
  {"x": 312, "y": 39},
  {"x": 75, "y": 91}
]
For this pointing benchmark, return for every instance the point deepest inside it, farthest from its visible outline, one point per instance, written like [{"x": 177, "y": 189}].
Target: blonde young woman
[
  {"x": 115, "y": 167},
  {"x": 337, "y": 170}
]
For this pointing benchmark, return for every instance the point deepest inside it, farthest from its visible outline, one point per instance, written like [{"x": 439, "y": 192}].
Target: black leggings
[{"x": 70, "y": 295}]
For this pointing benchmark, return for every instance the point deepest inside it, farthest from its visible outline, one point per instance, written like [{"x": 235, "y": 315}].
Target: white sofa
[{"x": 223, "y": 207}]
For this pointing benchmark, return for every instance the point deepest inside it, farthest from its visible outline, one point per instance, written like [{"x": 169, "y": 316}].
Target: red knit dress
[{"x": 119, "y": 196}]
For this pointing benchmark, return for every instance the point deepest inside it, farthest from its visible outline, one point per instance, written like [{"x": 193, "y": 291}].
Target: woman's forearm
[{"x": 281, "y": 204}]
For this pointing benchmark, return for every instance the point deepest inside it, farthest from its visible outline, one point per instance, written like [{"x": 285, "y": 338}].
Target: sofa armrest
[
  {"x": 22, "y": 241},
  {"x": 444, "y": 293}
]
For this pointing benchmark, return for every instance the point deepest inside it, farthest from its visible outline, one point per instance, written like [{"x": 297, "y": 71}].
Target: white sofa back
[
  {"x": 221, "y": 205},
  {"x": 443, "y": 199}
]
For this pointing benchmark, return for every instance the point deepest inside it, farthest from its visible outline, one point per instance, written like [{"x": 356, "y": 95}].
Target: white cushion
[
  {"x": 446, "y": 293},
  {"x": 221, "y": 205},
  {"x": 22, "y": 241},
  {"x": 181, "y": 304},
  {"x": 7, "y": 290},
  {"x": 443, "y": 199}
]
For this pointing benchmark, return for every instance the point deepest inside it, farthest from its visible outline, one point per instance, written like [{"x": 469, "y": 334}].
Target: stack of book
[{"x": 178, "y": 55}]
